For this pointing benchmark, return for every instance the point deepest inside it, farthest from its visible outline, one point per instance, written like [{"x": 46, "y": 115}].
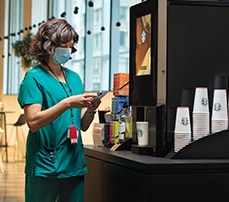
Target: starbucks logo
[
  {"x": 143, "y": 36},
  {"x": 217, "y": 107},
  {"x": 184, "y": 121},
  {"x": 139, "y": 133},
  {"x": 204, "y": 101}
]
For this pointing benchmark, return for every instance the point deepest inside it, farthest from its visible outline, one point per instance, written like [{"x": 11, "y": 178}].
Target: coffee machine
[{"x": 148, "y": 88}]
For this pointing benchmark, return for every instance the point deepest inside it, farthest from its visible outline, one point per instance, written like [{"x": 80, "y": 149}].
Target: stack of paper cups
[
  {"x": 182, "y": 133},
  {"x": 219, "y": 111},
  {"x": 200, "y": 115}
]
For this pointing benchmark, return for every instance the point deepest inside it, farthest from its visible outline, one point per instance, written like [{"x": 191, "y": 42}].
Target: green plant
[{"x": 21, "y": 49}]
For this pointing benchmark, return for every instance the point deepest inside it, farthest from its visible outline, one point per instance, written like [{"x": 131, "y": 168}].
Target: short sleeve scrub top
[{"x": 49, "y": 152}]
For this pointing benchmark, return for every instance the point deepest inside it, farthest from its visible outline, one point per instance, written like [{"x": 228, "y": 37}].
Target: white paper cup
[
  {"x": 219, "y": 108},
  {"x": 182, "y": 123},
  {"x": 201, "y": 103},
  {"x": 142, "y": 133}
]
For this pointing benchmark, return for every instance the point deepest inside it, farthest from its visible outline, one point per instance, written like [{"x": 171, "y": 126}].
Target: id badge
[{"x": 73, "y": 134}]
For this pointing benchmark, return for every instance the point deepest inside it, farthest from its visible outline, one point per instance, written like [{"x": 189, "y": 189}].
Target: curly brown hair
[{"x": 50, "y": 35}]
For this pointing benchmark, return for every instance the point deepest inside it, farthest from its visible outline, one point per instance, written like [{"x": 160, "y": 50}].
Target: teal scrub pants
[{"x": 43, "y": 189}]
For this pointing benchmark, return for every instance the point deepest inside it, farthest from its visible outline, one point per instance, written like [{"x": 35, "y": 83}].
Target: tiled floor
[{"x": 12, "y": 181}]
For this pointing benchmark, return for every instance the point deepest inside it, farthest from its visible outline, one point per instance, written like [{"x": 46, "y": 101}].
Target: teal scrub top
[{"x": 49, "y": 152}]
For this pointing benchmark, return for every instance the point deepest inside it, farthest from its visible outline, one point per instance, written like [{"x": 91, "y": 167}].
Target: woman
[{"x": 52, "y": 98}]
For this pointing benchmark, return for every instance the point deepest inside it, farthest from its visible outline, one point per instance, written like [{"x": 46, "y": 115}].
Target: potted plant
[{"x": 21, "y": 48}]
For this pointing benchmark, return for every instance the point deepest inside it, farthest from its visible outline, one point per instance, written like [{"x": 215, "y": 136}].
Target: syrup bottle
[{"x": 122, "y": 123}]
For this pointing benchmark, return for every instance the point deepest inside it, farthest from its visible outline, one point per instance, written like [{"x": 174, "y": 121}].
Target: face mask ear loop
[{"x": 52, "y": 51}]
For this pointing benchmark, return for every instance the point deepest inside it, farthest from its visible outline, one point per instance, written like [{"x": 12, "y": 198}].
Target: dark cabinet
[{"x": 122, "y": 176}]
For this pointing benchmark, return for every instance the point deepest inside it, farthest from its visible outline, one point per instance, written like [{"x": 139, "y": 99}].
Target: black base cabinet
[
  {"x": 109, "y": 182},
  {"x": 122, "y": 176}
]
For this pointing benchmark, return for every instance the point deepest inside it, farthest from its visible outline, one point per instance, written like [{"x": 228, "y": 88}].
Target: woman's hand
[
  {"x": 83, "y": 100},
  {"x": 89, "y": 113},
  {"x": 94, "y": 104}
]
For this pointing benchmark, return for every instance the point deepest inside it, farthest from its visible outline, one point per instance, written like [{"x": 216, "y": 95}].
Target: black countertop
[{"x": 157, "y": 165}]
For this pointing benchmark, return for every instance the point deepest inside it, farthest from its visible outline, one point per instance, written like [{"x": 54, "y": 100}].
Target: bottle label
[
  {"x": 121, "y": 127},
  {"x": 121, "y": 136},
  {"x": 121, "y": 132}
]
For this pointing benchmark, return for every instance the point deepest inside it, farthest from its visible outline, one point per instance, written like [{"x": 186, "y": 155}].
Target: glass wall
[
  {"x": 13, "y": 30},
  {"x": 103, "y": 48}
]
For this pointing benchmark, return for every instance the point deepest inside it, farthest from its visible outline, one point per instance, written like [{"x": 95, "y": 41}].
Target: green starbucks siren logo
[
  {"x": 139, "y": 133},
  {"x": 184, "y": 121},
  {"x": 217, "y": 107},
  {"x": 204, "y": 101}
]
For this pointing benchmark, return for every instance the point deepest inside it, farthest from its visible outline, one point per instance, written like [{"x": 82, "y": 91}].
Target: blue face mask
[{"x": 61, "y": 55}]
